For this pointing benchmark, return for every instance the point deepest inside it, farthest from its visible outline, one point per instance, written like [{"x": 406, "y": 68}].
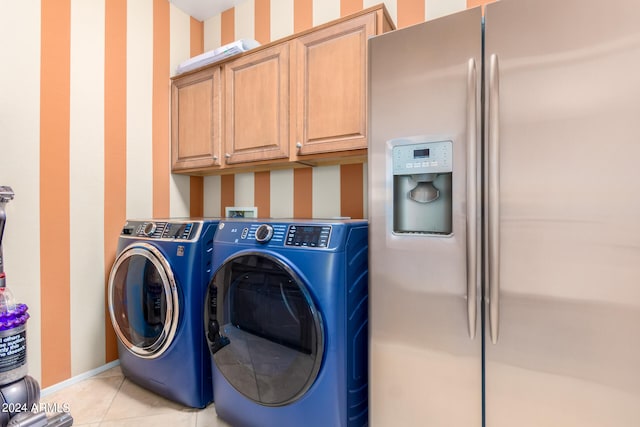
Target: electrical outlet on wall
[{"x": 240, "y": 212}]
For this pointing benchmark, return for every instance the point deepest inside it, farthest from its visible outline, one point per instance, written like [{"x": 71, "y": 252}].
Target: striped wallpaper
[{"x": 84, "y": 143}]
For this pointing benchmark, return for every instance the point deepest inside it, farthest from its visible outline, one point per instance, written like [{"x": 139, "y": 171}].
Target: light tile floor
[{"x": 109, "y": 400}]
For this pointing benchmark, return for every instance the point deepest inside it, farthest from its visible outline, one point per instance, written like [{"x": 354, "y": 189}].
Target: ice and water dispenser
[{"x": 422, "y": 187}]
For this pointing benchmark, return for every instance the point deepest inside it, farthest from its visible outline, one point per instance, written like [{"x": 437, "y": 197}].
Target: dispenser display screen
[{"x": 421, "y": 154}]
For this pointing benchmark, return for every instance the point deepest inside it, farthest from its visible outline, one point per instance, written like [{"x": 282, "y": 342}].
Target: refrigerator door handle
[
  {"x": 472, "y": 196},
  {"x": 494, "y": 198}
]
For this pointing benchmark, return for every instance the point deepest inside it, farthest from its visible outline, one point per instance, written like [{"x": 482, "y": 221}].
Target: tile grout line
[{"x": 112, "y": 400}]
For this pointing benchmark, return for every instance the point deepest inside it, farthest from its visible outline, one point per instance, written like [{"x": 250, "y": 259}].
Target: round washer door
[
  {"x": 143, "y": 300},
  {"x": 263, "y": 329}
]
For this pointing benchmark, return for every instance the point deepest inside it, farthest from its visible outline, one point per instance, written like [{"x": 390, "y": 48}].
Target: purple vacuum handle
[{"x": 6, "y": 195}]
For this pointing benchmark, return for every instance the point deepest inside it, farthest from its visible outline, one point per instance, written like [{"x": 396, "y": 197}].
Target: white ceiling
[{"x": 204, "y": 9}]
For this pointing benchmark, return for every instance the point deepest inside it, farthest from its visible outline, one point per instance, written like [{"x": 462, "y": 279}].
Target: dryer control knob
[
  {"x": 149, "y": 229},
  {"x": 264, "y": 233}
]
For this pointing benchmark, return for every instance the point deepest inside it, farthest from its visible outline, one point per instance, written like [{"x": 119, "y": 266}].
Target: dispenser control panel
[{"x": 423, "y": 157}]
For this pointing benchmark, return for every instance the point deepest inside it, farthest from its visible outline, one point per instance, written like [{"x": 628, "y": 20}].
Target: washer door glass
[
  {"x": 143, "y": 301},
  {"x": 264, "y": 331}
]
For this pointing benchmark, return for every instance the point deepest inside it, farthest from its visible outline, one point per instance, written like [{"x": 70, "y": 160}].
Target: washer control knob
[
  {"x": 264, "y": 233},
  {"x": 149, "y": 229}
]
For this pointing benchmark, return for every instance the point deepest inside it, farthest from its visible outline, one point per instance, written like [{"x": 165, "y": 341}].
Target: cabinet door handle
[
  {"x": 215, "y": 157},
  {"x": 227, "y": 155},
  {"x": 299, "y": 145}
]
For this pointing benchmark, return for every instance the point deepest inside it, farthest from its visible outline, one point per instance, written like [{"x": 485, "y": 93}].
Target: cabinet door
[
  {"x": 331, "y": 91},
  {"x": 196, "y": 120},
  {"x": 257, "y": 92}
]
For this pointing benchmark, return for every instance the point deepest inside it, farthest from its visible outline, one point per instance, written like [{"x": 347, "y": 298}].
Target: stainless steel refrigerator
[{"x": 504, "y": 209}]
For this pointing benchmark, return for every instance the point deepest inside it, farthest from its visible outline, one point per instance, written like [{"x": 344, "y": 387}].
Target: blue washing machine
[
  {"x": 286, "y": 319},
  {"x": 156, "y": 292}
]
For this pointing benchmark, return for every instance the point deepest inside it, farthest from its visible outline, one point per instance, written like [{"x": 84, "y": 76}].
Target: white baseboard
[{"x": 74, "y": 380}]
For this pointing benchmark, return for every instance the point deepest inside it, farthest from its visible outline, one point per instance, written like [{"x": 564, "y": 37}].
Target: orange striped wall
[
  {"x": 262, "y": 21},
  {"x": 161, "y": 74},
  {"x": 262, "y": 198},
  {"x": 348, "y": 7},
  {"x": 227, "y": 26},
  {"x": 227, "y": 192},
  {"x": 351, "y": 190},
  {"x": 410, "y": 13},
  {"x": 54, "y": 190},
  {"x": 302, "y": 15},
  {"x": 115, "y": 136},
  {"x": 302, "y": 193}
]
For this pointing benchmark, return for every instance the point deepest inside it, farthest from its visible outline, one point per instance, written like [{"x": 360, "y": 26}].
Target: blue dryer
[
  {"x": 286, "y": 318},
  {"x": 157, "y": 288}
]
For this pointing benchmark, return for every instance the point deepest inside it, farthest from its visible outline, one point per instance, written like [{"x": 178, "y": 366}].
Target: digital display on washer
[
  {"x": 178, "y": 231},
  {"x": 315, "y": 236}
]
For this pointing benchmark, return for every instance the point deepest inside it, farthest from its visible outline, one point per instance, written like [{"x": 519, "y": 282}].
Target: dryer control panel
[
  {"x": 161, "y": 230},
  {"x": 314, "y": 236},
  {"x": 276, "y": 234}
]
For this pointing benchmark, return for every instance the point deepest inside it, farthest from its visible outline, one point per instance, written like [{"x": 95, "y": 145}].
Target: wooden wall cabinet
[
  {"x": 196, "y": 120},
  {"x": 331, "y": 89},
  {"x": 257, "y": 100},
  {"x": 299, "y": 100}
]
